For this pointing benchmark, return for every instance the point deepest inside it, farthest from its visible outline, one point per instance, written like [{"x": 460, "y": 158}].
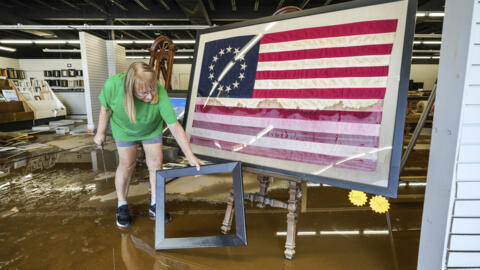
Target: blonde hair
[{"x": 138, "y": 74}]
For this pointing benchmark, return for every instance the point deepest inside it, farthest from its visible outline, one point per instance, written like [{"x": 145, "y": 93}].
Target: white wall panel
[
  {"x": 452, "y": 198},
  {"x": 468, "y": 190},
  {"x": 467, "y": 209},
  {"x": 466, "y": 226},
  {"x": 424, "y": 73},
  {"x": 469, "y": 171},
  {"x": 120, "y": 59},
  {"x": 474, "y": 75},
  {"x": 469, "y": 153},
  {"x": 471, "y": 114},
  {"x": 95, "y": 73},
  {"x": 465, "y": 242},
  {"x": 34, "y": 67},
  {"x": 470, "y": 134},
  {"x": 464, "y": 259},
  {"x": 475, "y": 54},
  {"x": 472, "y": 95},
  {"x": 6, "y": 62}
]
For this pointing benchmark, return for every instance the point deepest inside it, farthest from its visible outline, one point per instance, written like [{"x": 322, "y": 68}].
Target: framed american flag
[{"x": 318, "y": 94}]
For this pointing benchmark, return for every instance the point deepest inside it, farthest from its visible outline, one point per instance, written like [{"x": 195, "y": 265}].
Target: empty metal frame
[{"x": 240, "y": 236}]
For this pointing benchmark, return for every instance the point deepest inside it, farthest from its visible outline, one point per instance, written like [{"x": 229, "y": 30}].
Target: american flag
[{"x": 311, "y": 95}]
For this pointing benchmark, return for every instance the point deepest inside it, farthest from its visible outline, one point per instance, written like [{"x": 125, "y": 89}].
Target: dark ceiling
[{"x": 156, "y": 12}]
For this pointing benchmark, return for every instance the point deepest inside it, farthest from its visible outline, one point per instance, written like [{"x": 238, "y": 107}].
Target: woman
[{"x": 137, "y": 105}]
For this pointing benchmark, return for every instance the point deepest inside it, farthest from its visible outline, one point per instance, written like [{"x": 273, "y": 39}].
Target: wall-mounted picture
[{"x": 318, "y": 94}]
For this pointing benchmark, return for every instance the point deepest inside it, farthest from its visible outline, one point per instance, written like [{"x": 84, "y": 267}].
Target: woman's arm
[
  {"x": 99, "y": 138},
  {"x": 181, "y": 137}
]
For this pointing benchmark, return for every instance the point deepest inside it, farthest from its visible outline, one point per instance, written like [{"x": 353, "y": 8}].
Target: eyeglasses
[{"x": 145, "y": 93}]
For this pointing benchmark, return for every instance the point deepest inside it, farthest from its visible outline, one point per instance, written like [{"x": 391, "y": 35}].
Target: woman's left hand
[{"x": 194, "y": 161}]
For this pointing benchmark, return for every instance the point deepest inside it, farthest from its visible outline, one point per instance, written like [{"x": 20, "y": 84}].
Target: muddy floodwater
[{"x": 63, "y": 217}]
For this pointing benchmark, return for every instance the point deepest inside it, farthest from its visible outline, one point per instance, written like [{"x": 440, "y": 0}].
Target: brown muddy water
[{"x": 64, "y": 218}]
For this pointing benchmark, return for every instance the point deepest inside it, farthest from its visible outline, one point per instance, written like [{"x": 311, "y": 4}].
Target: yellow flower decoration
[
  {"x": 357, "y": 198},
  {"x": 379, "y": 204}
]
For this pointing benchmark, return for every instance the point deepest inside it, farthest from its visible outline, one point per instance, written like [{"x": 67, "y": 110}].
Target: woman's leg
[
  {"x": 154, "y": 157},
  {"x": 127, "y": 156}
]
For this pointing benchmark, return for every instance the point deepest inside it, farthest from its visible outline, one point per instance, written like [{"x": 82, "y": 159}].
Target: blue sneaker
[{"x": 123, "y": 217}]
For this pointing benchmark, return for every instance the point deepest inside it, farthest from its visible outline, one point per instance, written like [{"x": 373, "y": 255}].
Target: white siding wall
[
  {"x": 464, "y": 244},
  {"x": 95, "y": 73},
  {"x": 450, "y": 236},
  {"x": 115, "y": 58}
]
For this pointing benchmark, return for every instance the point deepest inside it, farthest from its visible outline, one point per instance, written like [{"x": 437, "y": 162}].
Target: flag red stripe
[
  {"x": 371, "y": 71},
  {"x": 297, "y": 114},
  {"x": 318, "y": 137},
  {"x": 358, "y": 28},
  {"x": 322, "y": 93},
  {"x": 298, "y": 156},
  {"x": 381, "y": 49}
]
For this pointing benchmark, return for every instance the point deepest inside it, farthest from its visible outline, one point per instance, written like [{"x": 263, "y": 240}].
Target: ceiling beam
[
  {"x": 21, "y": 4},
  {"x": 304, "y": 3},
  {"x": 164, "y": 4},
  {"x": 139, "y": 32},
  {"x": 46, "y": 5},
  {"x": 142, "y": 5},
  {"x": 195, "y": 11},
  {"x": 103, "y": 27},
  {"x": 280, "y": 4},
  {"x": 95, "y": 5},
  {"x": 210, "y": 4},
  {"x": 70, "y": 4},
  {"x": 256, "y": 5},
  {"x": 128, "y": 34},
  {"x": 119, "y": 5}
]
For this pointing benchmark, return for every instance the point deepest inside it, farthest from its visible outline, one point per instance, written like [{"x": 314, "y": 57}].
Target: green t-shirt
[{"x": 149, "y": 116}]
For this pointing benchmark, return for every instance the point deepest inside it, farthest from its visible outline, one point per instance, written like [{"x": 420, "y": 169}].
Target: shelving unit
[{"x": 40, "y": 98}]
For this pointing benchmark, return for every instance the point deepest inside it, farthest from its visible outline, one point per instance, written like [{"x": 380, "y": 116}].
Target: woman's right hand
[{"x": 99, "y": 139}]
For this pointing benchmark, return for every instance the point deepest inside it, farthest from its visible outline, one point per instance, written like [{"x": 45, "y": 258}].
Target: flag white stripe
[
  {"x": 318, "y": 43},
  {"x": 339, "y": 62},
  {"x": 292, "y": 124},
  {"x": 339, "y": 150},
  {"x": 354, "y": 82},
  {"x": 285, "y": 103}
]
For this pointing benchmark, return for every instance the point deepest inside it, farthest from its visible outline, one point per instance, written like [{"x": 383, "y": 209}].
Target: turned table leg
[
  {"x": 227, "y": 221},
  {"x": 291, "y": 219},
  {"x": 264, "y": 182}
]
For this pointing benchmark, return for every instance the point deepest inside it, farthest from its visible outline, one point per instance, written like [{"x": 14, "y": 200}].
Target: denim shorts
[{"x": 153, "y": 140}]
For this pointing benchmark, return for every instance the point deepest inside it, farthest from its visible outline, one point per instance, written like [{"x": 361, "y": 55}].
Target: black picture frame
[
  {"x": 237, "y": 239},
  {"x": 394, "y": 172}
]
